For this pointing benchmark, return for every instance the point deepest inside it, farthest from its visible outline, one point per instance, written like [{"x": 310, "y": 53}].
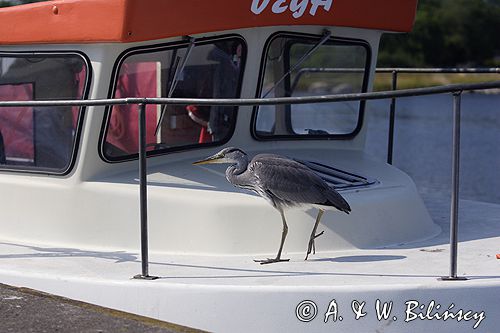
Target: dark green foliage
[{"x": 447, "y": 33}]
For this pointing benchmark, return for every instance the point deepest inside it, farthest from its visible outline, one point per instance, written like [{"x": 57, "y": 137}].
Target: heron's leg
[
  {"x": 311, "y": 247},
  {"x": 283, "y": 237}
]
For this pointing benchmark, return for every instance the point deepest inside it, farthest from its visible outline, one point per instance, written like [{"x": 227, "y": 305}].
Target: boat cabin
[{"x": 68, "y": 174}]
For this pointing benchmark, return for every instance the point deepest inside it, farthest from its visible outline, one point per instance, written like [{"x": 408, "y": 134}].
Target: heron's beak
[{"x": 209, "y": 160}]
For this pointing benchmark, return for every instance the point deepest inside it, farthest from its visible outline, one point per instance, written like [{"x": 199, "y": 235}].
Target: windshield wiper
[
  {"x": 326, "y": 35},
  {"x": 175, "y": 80}
]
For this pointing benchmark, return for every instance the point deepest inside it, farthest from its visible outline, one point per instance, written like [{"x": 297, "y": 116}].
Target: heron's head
[{"x": 226, "y": 155}]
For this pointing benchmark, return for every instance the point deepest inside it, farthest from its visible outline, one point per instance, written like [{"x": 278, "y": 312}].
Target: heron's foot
[
  {"x": 312, "y": 247},
  {"x": 270, "y": 261}
]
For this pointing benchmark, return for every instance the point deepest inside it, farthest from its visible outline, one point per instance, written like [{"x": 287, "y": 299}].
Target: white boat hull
[{"x": 233, "y": 293}]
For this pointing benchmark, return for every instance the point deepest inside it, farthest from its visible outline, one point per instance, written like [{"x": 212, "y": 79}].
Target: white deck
[{"x": 236, "y": 294}]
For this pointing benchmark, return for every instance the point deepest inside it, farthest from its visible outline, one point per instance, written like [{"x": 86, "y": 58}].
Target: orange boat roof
[{"x": 87, "y": 21}]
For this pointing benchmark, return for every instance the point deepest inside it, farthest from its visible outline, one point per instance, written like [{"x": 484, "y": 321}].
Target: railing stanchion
[
  {"x": 143, "y": 196},
  {"x": 392, "y": 115},
  {"x": 455, "y": 181}
]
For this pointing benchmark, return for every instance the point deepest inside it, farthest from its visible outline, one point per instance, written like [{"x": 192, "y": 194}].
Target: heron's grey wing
[{"x": 291, "y": 183}]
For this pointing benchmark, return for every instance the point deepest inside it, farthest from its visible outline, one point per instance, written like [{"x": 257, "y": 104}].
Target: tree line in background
[{"x": 447, "y": 33}]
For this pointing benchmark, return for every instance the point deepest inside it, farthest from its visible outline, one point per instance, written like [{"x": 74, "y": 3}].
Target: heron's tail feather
[{"x": 336, "y": 200}]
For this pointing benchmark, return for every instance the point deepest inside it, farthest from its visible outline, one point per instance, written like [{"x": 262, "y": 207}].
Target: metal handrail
[
  {"x": 442, "y": 70},
  {"x": 455, "y": 89},
  {"x": 396, "y": 70},
  {"x": 450, "y": 88},
  {"x": 406, "y": 70}
]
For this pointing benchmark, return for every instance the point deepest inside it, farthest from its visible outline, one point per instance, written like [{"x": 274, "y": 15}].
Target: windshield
[
  {"x": 336, "y": 67},
  {"x": 207, "y": 69}
]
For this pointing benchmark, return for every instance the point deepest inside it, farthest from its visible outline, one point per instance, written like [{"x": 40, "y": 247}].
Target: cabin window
[
  {"x": 294, "y": 66},
  {"x": 195, "y": 69},
  {"x": 40, "y": 139}
]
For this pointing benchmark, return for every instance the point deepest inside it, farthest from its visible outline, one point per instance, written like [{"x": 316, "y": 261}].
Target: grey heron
[{"x": 284, "y": 183}]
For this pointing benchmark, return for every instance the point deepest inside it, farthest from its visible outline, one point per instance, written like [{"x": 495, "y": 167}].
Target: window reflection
[
  {"x": 336, "y": 67},
  {"x": 39, "y": 137},
  {"x": 212, "y": 70}
]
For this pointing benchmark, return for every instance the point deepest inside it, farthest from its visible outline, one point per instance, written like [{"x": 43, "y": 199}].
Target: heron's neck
[{"x": 236, "y": 169}]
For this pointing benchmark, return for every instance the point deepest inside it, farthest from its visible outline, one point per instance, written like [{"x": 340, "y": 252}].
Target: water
[{"x": 423, "y": 142}]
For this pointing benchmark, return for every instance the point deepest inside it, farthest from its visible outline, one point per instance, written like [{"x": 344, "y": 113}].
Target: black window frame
[
  {"x": 157, "y": 48},
  {"x": 333, "y": 40},
  {"x": 81, "y": 112}
]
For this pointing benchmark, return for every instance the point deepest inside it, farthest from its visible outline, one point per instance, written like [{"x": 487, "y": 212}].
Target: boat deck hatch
[{"x": 339, "y": 179}]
